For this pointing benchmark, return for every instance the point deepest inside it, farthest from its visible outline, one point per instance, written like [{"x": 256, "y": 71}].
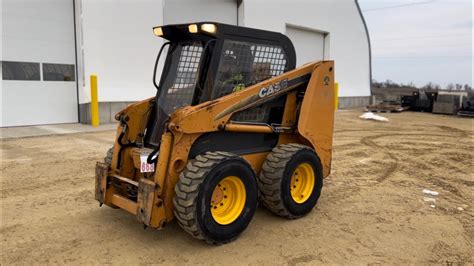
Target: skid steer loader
[{"x": 233, "y": 122}]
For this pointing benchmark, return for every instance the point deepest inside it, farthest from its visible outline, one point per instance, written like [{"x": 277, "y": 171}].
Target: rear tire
[
  {"x": 216, "y": 197},
  {"x": 291, "y": 180}
]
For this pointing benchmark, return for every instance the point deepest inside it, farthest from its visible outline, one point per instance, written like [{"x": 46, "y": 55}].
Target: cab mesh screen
[
  {"x": 181, "y": 92},
  {"x": 243, "y": 64}
]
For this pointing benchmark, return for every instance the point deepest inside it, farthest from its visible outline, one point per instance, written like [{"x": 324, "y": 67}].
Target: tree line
[{"x": 429, "y": 86}]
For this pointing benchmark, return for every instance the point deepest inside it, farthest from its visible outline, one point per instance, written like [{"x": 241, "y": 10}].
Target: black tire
[
  {"x": 275, "y": 180},
  {"x": 108, "y": 156},
  {"x": 192, "y": 201}
]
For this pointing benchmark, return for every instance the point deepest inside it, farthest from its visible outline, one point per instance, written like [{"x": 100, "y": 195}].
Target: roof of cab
[{"x": 180, "y": 32}]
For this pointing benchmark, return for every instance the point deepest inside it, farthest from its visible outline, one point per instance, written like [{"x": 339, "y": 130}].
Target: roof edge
[{"x": 368, "y": 41}]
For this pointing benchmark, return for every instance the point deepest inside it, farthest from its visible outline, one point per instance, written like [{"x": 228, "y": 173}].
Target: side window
[
  {"x": 20, "y": 70},
  {"x": 243, "y": 64},
  {"x": 58, "y": 72}
]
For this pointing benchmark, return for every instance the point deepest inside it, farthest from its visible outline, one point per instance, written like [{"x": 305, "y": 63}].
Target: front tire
[
  {"x": 291, "y": 180},
  {"x": 108, "y": 156},
  {"x": 216, "y": 197}
]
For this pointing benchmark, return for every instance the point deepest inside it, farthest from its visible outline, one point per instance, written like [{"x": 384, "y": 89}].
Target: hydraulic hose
[{"x": 126, "y": 145}]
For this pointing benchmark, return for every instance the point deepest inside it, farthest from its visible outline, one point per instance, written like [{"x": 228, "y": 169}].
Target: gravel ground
[{"x": 372, "y": 209}]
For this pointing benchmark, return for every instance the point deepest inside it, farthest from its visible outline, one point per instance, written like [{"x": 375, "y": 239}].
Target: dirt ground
[{"x": 372, "y": 209}]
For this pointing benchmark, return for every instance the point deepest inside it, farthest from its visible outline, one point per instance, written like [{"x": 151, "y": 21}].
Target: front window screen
[{"x": 179, "y": 91}]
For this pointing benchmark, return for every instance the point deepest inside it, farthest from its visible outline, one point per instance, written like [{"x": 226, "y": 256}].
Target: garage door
[
  {"x": 38, "y": 63},
  {"x": 186, "y": 11},
  {"x": 309, "y": 44}
]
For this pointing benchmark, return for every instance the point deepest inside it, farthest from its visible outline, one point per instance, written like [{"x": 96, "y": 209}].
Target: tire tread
[
  {"x": 270, "y": 178},
  {"x": 187, "y": 190}
]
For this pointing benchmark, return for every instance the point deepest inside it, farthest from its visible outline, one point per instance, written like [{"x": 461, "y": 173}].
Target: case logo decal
[{"x": 273, "y": 88}]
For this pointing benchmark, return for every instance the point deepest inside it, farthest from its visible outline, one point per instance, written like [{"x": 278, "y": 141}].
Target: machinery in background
[
  {"x": 420, "y": 101},
  {"x": 467, "y": 108},
  {"x": 449, "y": 102},
  {"x": 440, "y": 102},
  {"x": 386, "y": 106}
]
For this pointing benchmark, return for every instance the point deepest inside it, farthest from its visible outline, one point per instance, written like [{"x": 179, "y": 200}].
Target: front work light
[
  {"x": 209, "y": 28},
  {"x": 158, "y": 31},
  {"x": 193, "y": 28}
]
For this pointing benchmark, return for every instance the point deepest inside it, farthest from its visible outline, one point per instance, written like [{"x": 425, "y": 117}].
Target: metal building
[{"x": 51, "y": 47}]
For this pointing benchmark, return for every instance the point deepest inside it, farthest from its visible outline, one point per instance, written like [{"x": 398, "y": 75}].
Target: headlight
[
  {"x": 158, "y": 31},
  {"x": 210, "y": 28},
  {"x": 193, "y": 28}
]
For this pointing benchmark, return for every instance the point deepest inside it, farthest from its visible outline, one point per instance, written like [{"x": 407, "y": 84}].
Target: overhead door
[
  {"x": 309, "y": 44},
  {"x": 38, "y": 63}
]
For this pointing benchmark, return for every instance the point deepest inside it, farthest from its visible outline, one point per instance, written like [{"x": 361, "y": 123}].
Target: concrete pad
[{"x": 57, "y": 129}]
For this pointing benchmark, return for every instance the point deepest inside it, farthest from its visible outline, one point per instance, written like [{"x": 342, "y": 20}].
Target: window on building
[
  {"x": 58, "y": 72},
  {"x": 20, "y": 70}
]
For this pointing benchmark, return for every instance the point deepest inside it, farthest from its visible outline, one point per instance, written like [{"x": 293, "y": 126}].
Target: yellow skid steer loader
[{"x": 233, "y": 123}]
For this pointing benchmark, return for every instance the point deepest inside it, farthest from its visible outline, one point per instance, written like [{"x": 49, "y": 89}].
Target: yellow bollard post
[
  {"x": 94, "y": 102},
  {"x": 336, "y": 96}
]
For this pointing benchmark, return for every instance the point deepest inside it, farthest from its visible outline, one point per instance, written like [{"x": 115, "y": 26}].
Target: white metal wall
[
  {"x": 120, "y": 48},
  {"x": 117, "y": 44},
  {"x": 186, "y": 11},
  {"x": 42, "y": 32},
  {"x": 117, "y": 41}
]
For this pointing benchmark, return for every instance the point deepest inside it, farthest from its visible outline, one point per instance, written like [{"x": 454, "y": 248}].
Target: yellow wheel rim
[
  {"x": 228, "y": 200},
  {"x": 302, "y": 183}
]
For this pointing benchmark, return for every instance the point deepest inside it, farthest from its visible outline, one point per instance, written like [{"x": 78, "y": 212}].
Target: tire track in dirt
[
  {"x": 369, "y": 141},
  {"x": 460, "y": 132},
  {"x": 356, "y": 221}
]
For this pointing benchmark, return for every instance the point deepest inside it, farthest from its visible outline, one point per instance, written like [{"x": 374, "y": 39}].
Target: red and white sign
[{"x": 144, "y": 166}]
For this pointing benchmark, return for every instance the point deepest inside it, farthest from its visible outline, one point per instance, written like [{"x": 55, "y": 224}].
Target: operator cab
[{"x": 207, "y": 60}]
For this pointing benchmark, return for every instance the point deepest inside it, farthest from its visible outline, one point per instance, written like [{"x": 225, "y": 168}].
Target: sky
[{"x": 421, "y": 41}]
